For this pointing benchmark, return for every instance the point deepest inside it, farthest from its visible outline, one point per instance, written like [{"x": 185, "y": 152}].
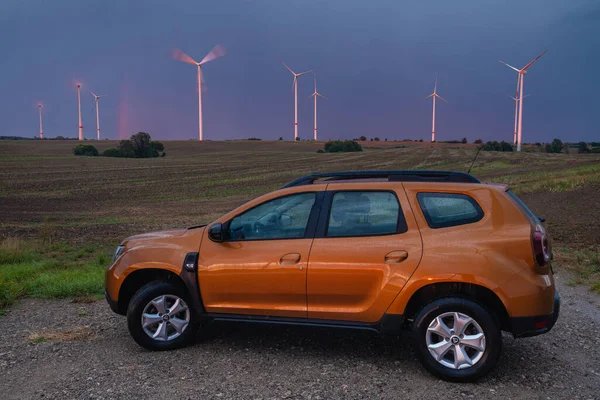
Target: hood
[{"x": 166, "y": 234}]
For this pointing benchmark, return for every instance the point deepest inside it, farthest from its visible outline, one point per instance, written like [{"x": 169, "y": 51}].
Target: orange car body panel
[
  {"x": 349, "y": 277},
  {"x": 255, "y": 276},
  {"x": 155, "y": 250}
]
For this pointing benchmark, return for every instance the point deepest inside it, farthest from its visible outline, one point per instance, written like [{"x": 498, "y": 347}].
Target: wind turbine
[
  {"x": 315, "y": 95},
  {"x": 295, "y": 87},
  {"x": 41, "y": 130},
  {"x": 516, "y": 99},
  {"x": 434, "y": 95},
  {"x": 521, "y": 73},
  {"x": 96, "y": 97},
  {"x": 79, "y": 109},
  {"x": 216, "y": 52}
]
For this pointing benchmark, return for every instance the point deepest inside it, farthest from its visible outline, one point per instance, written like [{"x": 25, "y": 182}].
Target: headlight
[{"x": 118, "y": 252}]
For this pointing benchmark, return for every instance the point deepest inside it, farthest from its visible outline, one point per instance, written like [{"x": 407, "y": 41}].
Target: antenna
[{"x": 475, "y": 158}]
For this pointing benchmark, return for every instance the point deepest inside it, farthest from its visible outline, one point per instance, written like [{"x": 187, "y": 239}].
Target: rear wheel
[
  {"x": 456, "y": 339},
  {"x": 160, "y": 317}
]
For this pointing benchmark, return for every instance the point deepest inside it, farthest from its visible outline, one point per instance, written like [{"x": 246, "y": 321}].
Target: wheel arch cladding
[
  {"x": 476, "y": 293},
  {"x": 139, "y": 278}
]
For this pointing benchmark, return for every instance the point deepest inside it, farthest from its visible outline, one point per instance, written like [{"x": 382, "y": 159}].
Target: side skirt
[{"x": 389, "y": 324}]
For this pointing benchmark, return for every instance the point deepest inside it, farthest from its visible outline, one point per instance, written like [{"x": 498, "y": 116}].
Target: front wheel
[
  {"x": 457, "y": 339},
  {"x": 159, "y": 317}
]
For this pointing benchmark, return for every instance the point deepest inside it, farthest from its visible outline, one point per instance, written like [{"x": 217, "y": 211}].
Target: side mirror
[{"x": 215, "y": 232}]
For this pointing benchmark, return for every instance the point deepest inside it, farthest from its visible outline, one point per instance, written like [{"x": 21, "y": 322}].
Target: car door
[
  {"x": 260, "y": 267},
  {"x": 366, "y": 247}
]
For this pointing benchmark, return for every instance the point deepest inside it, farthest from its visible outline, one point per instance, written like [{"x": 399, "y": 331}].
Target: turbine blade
[
  {"x": 532, "y": 61},
  {"x": 312, "y": 95},
  {"x": 440, "y": 97},
  {"x": 508, "y": 65},
  {"x": 181, "y": 56},
  {"x": 315, "y": 79},
  {"x": 304, "y": 73},
  {"x": 320, "y": 95},
  {"x": 216, "y": 52},
  {"x": 527, "y": 95},
  {"x": 435, "y": 84},
  {"x": 93, "y": 94},
  {"x": 288, "y": 68}
]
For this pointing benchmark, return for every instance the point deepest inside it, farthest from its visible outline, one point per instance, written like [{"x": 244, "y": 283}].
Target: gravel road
[{"x": 88, "y": 354}]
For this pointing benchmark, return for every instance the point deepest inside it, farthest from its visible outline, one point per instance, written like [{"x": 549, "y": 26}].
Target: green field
[{"x": 50, "y": 198}]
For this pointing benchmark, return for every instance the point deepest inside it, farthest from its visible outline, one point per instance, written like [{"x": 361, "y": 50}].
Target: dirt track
[{"x": 259, "y": 362}]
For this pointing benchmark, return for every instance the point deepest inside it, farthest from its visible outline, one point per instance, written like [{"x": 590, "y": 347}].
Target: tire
[
  {"x": 168, "y": 337},
  {"x": 480, "y": 356}
]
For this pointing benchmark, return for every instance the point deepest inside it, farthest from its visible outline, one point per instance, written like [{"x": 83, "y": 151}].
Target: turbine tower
[
  {"x": 522, "y": 73},
  {"x": 516, "y": 99},
  {"x": 79, "y": 109},
  {"x": 216, "y": 52},
  {"x": 96, "y": 97},
  {"x": 434, "y": 95},
  {"x": 41, "y": 130},
  {"x": 295, "y": 87},
  {"x": 314, "y": 96}
]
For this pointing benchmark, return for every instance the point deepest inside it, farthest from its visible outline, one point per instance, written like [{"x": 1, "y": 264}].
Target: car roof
[{"x": 383, "y": 176}]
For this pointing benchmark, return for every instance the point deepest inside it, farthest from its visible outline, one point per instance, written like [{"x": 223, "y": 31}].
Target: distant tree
[
  {"x": 111, "y": 152},
  {"x": 141, "y": 145},
  {"x": 158, "y": 146},
  {"x": 298, "y": 139},
  {"x": 280, "y": 137},
  {"x": 478, "y": 141},
  {"x": 583, "y": 148},
  {"x": 421, "y": 140},
  {"x": 556, "y": 146},
  {"x": 386, "y": 139},
  {"x": 464, "y": 140},
  {"x": 538, "y": 144},
  {"x": 371, "y": 139},
  {"x": 362, "y": 138},
  {"x": 376, "y": 139},
  {"x": 339, "y": 146},
  {"x": 85, "y": 150},
  {"x": 126, "y": 149},
  {"x": 566, "y": 148},
  {"x": 320, "y": 151},
  {"x": 60, "y": 138},
  {"x": 506, "y": 146}
]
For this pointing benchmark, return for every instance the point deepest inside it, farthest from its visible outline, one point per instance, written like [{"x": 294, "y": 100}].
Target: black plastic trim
[
  {"x": 189, "y": 276},
  {"x": 113, "y": 304},
  {"x": 525, "y": 326},
  {"x": 393, "y": 176},
  {"x": 389, "y": 324}
]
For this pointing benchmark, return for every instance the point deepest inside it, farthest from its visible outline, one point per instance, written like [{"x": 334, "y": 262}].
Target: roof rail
[{"x": 392, "y": 176}]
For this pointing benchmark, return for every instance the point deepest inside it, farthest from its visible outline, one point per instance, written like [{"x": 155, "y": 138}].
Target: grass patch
[
  {"x": 584, "y": 263},
  {"x": 569, "y": 178},
  {"x": 59, "y": 270}
]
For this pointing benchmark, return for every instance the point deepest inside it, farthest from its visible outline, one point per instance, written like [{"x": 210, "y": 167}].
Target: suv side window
[
  {"x": 281, "y": 218},
  {"x": 442, "y": 210},
  {"x": 355, "y": 213}
]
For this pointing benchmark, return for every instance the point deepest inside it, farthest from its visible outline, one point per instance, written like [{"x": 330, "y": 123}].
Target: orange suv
[{"x": 437, "y": 254}]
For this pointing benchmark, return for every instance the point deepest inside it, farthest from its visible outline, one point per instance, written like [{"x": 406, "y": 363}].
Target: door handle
[
  {"x": 396, "y": 257},
  {"x": 290, "y": 259}
]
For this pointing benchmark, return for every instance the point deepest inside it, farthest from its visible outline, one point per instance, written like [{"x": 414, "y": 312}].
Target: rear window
[
  {"x": 523, "y": 207},
  {"x": 442, "y": 210}
]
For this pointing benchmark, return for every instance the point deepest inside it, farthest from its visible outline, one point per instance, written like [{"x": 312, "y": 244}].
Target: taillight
[{"x": 541, "y": 249}]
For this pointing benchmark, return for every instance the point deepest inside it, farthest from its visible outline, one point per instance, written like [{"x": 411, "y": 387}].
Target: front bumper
[
  {"x": 533, "y": 326},
  {"x": 114, "y": 305}
]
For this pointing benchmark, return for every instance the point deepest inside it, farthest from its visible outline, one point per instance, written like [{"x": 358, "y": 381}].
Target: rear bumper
[{"x": 533, "y": 326}]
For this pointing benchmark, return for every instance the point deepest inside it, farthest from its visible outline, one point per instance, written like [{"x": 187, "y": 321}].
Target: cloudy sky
[{"x": 374, "y": 60}]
